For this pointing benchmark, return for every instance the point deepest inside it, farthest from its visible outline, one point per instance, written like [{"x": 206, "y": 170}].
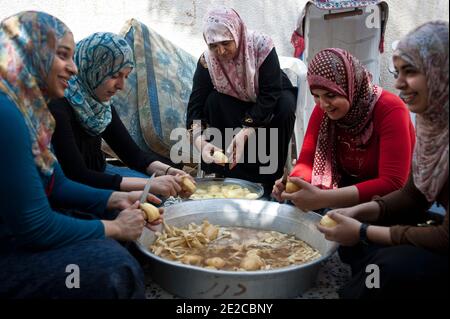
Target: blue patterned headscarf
[
  {"x": 98, "y": 57},
  {"x": 28, "y": 43}
]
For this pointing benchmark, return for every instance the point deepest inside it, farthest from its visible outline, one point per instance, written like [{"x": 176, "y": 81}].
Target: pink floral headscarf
[
  {"x": 28, "y": 43},
  {"x": 426, "y": 48},
  {"x": 238, "y": 77},
  {"x": 337, "y": 71}
]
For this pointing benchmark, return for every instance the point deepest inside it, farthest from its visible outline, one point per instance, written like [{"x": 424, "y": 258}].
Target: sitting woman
[
  {"x": 238, "y": 84},
  {"x": 359, "y": 139},
  {"x": 86, "y": 115},
  {"x": 411, "y": 256},
  {"x": 42, "y": 251}
]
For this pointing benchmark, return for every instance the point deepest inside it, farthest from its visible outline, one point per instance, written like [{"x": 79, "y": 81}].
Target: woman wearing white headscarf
[
  {"x": 238, "y": 83},
  {"x": 413, "y": 257}
]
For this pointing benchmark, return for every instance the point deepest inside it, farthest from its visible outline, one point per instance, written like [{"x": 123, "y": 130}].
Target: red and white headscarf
[
  {"x": 337, "y": 71},
  {"x": 426, "y": 48},
  {"x": 239, "y": 76}
]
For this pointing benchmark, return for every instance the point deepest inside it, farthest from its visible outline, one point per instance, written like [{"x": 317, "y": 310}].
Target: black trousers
[
  {"x": 223, "y": 111},
  {"x": 404, "y": 272}
]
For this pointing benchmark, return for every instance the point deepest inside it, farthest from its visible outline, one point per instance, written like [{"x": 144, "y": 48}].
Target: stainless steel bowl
[
  {"x": 252, "y": 187},
  {"x": 196, "y": 282}
]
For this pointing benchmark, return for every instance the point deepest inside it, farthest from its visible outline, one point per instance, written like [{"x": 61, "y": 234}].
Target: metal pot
[{"x": 196, "y": 282}]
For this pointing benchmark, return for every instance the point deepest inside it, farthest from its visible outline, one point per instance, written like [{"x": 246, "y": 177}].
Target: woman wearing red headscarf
[
  {"x": 359, "y": 140},
  {"x": 393, "y": 237},
  {"x": 238, "y": 84}
]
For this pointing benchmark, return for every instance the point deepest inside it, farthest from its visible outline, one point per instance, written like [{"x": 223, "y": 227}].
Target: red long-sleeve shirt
[{"x": 384, "y": 165}]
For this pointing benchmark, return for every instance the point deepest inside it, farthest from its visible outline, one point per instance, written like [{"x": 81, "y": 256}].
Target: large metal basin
[{"x": 196, "y": 282}]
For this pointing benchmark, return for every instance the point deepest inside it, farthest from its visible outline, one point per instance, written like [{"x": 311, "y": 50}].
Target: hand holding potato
[
  {"x": 151, "y": 212},
  {"x": 291, "y": 187},
  {"x": 326, "y": 221},
  {"x": 220, "y": 158},
  {"x": 188, "y": 185}
]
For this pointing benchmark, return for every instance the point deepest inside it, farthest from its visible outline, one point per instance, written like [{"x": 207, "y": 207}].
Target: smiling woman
[
  {"x": 63, "y": 67},
  {"x": 411, "y": 248},
  {"x": 87, "y": 114},
  {"x": 359, "y": 139},
  {"x": 412, "y": 83},
  {"x": 38, "y": 245}
]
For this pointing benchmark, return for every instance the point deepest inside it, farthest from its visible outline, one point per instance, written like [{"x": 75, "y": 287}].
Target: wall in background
[{"x": 181, "y": 20}]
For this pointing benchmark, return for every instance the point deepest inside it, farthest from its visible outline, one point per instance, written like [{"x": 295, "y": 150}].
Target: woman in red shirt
[{"x": 359, "y": 140}]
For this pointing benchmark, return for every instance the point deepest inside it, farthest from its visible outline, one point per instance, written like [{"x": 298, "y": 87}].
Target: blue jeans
[
  {"x": 123, "y": 171},
  {"x": 106, "y": 271}
]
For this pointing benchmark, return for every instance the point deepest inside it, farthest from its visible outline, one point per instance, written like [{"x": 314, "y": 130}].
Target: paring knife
[
  {"x": 285, "y": 176},
  {"x": 146, "y": 190}
]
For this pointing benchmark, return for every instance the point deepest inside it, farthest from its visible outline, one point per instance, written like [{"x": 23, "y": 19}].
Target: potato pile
[{"x": 223, "y": 191}]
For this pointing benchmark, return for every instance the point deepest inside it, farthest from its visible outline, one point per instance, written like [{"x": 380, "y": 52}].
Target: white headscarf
[{"x": 426, "y": 48}]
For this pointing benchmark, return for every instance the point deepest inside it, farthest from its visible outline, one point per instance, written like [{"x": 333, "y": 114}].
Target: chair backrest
[{"x": 296, "y": 70}]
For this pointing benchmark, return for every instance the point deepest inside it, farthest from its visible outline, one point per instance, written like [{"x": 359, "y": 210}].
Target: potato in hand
[
  {"x": 151, "y": 212},
  {"x": 220, "y": 157},
  {"x": 327, "y": 222},
  {"x": 187, "y": 184},
  {"x": 291, "y": 187}
]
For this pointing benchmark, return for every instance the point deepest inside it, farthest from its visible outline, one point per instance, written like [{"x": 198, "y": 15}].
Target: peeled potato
[
  {"x": 291, "y": 187},
  {"x": 220, "y": 157},
  {"x": 327, "y": 222},
  {"x": 151, "y": 212},
  {"x": 252, "y": 262},
  {"x": 215, "y": 262},
  {"x": 210, "y": 231},
  {"x": 192, "y": 259},
  {"x": 251, "y": 196},
  {"x": 188, "y": 185}
]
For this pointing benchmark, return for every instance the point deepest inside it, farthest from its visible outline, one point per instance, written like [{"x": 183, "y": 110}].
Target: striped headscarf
[
  {"x": 239, "y": 76},
  {"x": 337, "y": 71},
  {"x": 98, "y": 57},
  {"x": 28, "y": 43},
  {"x": 426, "y": 48}
]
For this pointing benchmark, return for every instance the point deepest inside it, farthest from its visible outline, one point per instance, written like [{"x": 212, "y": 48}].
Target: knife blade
[
  {"x": 144, "y": 195},
  {"x": 285, "y": 176}
]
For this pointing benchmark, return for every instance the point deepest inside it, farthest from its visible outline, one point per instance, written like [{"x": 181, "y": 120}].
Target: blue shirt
[{"x": 26, "y": 216}]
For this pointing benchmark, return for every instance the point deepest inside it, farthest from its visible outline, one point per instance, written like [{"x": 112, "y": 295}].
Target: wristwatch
[{"x": 363, "y": 234}]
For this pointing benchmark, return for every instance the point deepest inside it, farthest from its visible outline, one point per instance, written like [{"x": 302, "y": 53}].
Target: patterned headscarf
[
  {"x": 426, "y": 48},
  {"x": 239, "y": 76},
  {"x": 337, "y": 71},
  {"x": 28, "y": 43},
  {"x": 98, "y": 57}
]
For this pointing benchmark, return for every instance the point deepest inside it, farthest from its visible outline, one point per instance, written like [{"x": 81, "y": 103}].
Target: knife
[
  {"x": 285, "y": 176},
  {"x": 146, "y": 189}
]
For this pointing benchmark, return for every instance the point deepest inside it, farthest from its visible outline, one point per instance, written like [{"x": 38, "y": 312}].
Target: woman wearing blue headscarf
[
  {"x": 86, "y": 116},
  {"x": 43, "y": 253}
]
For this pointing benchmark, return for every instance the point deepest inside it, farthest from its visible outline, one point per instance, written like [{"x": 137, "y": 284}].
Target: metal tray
[
  {"x": 252, "y": 187},
  {"x": 196, "y": 282}
]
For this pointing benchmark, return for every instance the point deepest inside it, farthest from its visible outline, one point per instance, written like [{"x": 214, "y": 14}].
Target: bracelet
[
  {"x": 167, "y": 170},
  {"x": 363, "y": 234}
]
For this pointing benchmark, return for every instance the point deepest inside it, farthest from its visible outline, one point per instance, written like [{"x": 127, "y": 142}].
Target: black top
[
  {"x": 272, "y": 80},
  {"x": 80, "y": 154}
]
